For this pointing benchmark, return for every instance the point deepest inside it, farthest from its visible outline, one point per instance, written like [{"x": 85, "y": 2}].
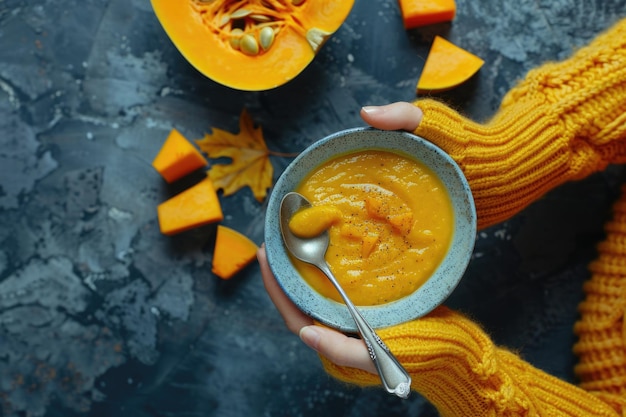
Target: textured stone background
[{"x": 101, "y": 315}]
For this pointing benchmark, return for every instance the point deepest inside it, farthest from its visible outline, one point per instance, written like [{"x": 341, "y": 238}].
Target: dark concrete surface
[{"x": 101, "y": 315}]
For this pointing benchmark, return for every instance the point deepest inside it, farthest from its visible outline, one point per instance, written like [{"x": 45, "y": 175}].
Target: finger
[
  {"x": 338, "y": 348},
  {"x": 394, "y": 116},
  {"x": 294, "y": 318}
]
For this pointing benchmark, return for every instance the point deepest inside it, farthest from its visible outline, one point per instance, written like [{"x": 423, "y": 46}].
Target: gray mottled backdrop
[{"x": 101, "y": 315}]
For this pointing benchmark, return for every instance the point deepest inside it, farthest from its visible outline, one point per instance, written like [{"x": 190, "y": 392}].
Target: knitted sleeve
[
  {"x": 601, "y": 329},
  {"x": 563, "y": 122},
  {"x": 456, "y": 367}
]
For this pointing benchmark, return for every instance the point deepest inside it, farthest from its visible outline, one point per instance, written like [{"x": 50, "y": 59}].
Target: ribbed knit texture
[
  {"x": 601, "y": 330},
  {"x": 563, "y": 122}
]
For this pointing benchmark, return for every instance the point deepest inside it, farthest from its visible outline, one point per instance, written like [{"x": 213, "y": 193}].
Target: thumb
[{"x": 394, "y": 116}]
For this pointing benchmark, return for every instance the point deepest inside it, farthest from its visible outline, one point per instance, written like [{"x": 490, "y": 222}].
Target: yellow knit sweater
[{"x": 563, "y": 122}]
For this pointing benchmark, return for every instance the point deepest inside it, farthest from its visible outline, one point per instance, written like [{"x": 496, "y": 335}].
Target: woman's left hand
[{"x": 335, "y": 346}]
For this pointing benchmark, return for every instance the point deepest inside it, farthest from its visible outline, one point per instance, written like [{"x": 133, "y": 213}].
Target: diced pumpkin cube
[
  {"x": 426, "y": 12},
  {"x": 233, "y": 251},
  {"x": 177, "y": 157},
  {"x": 402, "y": 222},
  {"x": 194, "y": 207},
  {"x": 369, "y": 242},
  {"x": 447, "y": 66},
  {"x": 376, "y": 207}
]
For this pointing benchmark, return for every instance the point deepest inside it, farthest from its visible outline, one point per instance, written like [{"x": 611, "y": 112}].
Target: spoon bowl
[{"x": 310, "y": 250}]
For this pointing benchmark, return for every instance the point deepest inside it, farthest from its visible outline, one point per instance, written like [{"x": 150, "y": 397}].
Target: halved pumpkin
[{"x": 250, "y": 45}]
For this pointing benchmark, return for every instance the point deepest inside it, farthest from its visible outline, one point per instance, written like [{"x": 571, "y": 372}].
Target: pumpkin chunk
[
  {"x": 194, "y": 207},
  {"x": 233, "y": 252},
  {"x": 369, "y": 242},
  {"x": 426, "y": 12},
  {"x": 177, "y": 157},
  {"x": 447, "y": 66}
]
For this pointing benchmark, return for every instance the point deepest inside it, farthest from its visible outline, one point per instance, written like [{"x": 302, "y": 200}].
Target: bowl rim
[{"x": 428, "y": 296}]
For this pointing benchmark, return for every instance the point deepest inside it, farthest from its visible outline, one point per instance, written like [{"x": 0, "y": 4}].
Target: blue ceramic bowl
[{"x": 435, "y": 290}]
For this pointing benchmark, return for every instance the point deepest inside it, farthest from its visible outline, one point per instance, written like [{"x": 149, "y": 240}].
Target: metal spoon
[{"x": 395, "y": 378}]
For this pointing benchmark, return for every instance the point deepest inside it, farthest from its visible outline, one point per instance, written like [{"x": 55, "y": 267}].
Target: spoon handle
[{"x": 395, "y": 378}]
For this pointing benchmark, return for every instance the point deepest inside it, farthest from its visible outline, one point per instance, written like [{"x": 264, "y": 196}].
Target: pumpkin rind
[{"x": 290, "y": 52}]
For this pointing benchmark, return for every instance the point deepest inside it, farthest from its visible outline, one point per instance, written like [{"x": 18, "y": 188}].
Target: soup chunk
[{"x": 314, "y": 220}]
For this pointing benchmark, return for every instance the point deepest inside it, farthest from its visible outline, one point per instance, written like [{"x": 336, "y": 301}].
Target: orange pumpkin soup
[{"x": 390, "y": 221}]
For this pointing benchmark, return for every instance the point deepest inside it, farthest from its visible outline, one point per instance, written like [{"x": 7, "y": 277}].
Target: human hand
[{"x": 331, "y": 344}]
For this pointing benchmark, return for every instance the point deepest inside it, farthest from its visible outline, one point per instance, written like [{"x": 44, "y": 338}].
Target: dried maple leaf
[{"x": 250, "y": 163}]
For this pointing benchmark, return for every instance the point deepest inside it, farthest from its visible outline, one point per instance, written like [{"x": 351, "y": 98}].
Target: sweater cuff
[{"x": 444, "y": 127}]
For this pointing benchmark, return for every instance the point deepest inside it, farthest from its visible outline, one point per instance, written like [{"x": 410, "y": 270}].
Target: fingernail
[
  {"x": 373, "y": 110},
  {"x": 310, "y": 336}
]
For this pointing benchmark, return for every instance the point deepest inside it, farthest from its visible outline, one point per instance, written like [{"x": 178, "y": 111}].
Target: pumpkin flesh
[
  {"x": 194, "y": 207},
  {"x": 177, "y": 157},
  {"x": 233, "y": 252},
  {"x": 426, "y": 12},
  {"x": 447, "y": 66}
]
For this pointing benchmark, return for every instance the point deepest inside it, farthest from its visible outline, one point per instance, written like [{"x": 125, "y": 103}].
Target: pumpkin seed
[
  {"x": 260, "y": 17},
  {"x": 266, "y": 37},
  {"x": 249, "y": 45},
  {"x": 224, "y": 20},
  {"x": 297, "y": 2},
  {"x": 235, "y": 38},
  {"x": 238, "y": 14}
]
